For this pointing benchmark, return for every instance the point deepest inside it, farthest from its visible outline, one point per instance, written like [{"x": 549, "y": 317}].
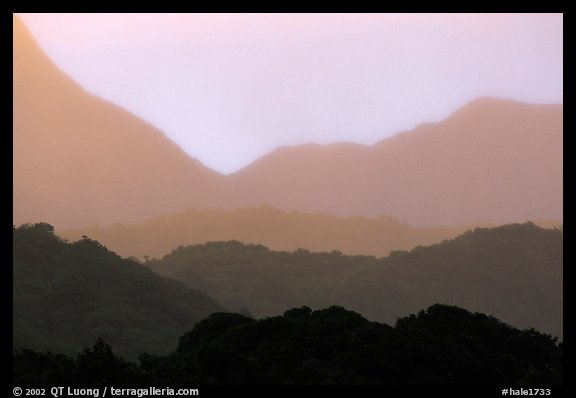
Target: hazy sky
[{"x": 229, "y": 88}]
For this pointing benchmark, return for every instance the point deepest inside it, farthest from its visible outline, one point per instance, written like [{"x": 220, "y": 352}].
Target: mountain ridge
[
  {"x": 80, "y": 160},
  {"x": 61, "y": 132},
  {"x": 452, "y": 172}
]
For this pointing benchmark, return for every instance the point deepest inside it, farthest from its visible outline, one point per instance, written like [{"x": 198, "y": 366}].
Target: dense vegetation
[
  {"x": 442, "y": 345},
  {"x": 513, "y": 272},
  {"x": 68, "y": 294}
]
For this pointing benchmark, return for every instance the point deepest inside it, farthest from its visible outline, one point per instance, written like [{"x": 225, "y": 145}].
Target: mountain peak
[
  {"x": 488, "y": 101},
  {"x": 482, "y": 105}
]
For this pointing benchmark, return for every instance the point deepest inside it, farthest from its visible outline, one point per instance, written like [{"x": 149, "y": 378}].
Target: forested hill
[
  {"x": 68, "y": 294},
  {"x": 513, "y": 272},
  {"x": 442, "y": 345}
]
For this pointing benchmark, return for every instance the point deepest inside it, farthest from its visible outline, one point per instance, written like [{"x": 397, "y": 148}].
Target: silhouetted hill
[
  {"x": 273, "y": 228},
  {"x": 80, "y": 160},
  {"x": 513, "y": 272},
  {"x": 442, "y": 345},
  {"x": 68, "y": 294},
  {"x": 493, "y": 161}
]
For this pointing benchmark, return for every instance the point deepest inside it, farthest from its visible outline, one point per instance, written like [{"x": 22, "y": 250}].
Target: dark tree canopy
[{"x": 443, "y": 345}]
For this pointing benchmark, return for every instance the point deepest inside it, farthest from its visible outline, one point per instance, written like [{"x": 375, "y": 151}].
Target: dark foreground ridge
[{"x": 443, "y": 345}]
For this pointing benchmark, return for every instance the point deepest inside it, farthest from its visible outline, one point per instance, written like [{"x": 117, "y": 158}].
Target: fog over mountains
[
  {"x": 80, "y": 161},
  {"x": 121, "y": 238}
]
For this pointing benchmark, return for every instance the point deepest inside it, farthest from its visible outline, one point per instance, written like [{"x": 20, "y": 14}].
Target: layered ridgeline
[
  {"x": 66, "y": 295},
  {"x": 273, "y": 228},
  {"x": 442, "y": 345},
  {"x": 513, "y": 272},
  {"x": 79, "y": 160}
]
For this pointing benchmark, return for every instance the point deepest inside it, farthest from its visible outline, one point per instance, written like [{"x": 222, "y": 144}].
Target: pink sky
[{"x": 229, "y": 88}]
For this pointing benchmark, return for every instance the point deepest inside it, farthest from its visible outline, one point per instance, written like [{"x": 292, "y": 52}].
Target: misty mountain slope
[
  {"x": 66, "y": 295},
  {"x": 79, "y": 160},
  {"x": 493, "y": 161},
  {"x": 513, "y": 272},
  {"x": 273, "y": 228}
]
